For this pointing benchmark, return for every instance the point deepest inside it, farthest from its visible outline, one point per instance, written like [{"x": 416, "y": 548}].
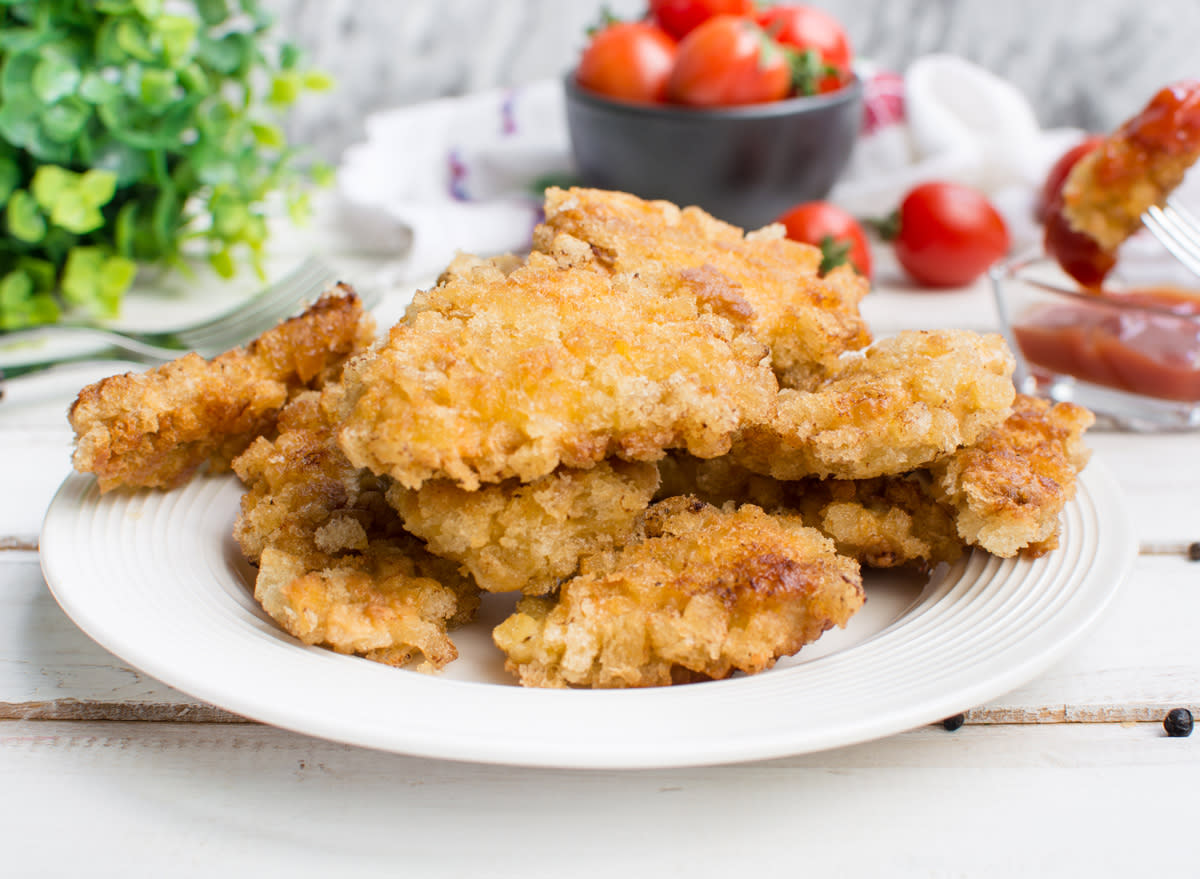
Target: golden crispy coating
[
  {"x": 1004, "y": 493},
  {"x": 1008, "y": 489},
  {"x": 719, "y": 481},
  {"x": 527, "y": 537},
  {"x": 335, "y": 565},
  {"x": 1135, "y": 168},
  {"x": 375, "y": 603},
  {"x": 493, "y": 376},
  {"x": 301, "y": 491},
  {"x": 911, "y": 399},
  {"x": 157, "y": 428},
  {"x": 883, "y": 522},
  {"x": 701, "y": 593},
  {"x": 887, "y": 522},
  {"x": 762, "y": 281}
]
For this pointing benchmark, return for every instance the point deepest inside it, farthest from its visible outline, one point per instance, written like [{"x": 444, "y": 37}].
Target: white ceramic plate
[{"x": 157, "y": 579}]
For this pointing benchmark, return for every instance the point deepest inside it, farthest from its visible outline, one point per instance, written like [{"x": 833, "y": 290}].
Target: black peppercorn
[
  {"x": 1178, "y": 723},
  {"x": 953, "y": 723}
]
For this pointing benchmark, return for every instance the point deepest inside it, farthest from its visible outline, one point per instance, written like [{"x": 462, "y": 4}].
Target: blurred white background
[{"x": 1089, "y": 63}]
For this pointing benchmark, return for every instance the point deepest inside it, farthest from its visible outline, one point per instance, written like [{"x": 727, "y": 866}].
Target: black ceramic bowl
[{"x": 745, "y": 165}]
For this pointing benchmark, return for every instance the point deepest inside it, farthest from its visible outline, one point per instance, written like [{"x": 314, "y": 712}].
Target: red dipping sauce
[{"x": 1142, "y": 341}]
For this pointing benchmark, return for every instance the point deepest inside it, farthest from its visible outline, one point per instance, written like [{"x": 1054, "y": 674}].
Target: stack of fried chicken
[{"x": 675, "y": 440}]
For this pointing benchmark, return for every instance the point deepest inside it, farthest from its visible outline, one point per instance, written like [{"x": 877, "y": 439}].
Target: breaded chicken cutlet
[
  {"x": 698, "y": 594},
  {"x": 1004, "y": 493},
  {"x": 335, "y": 567},
  {"x": 156, "y": 428},
  {"x": 492, "y": 376},
  {"x": 909, "y": 400},
  {"x": 1008, "y": 489},
  {"x": 1134, "y": 168},
  {"x": 762, "y": 281},
  {"x": 526, "y": 537}
]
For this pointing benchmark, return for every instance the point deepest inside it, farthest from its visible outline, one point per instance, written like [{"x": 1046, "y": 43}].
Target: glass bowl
[{"x": 1131, "y": 353}]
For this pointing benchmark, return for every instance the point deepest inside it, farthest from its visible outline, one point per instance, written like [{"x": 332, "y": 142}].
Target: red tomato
[
  {"x": 837, "y": 233},
  {"x": 803, "y": 27},
  {"x": 629, "y": 61},
  {"x": 1059, "y": 171},
  {"x": 948, "y": 234},
  {"x": 728, "y": 61},
  {"x": 680, "y": 17}
]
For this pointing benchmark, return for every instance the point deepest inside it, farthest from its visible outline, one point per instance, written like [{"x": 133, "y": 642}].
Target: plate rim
[{"x": 1087, "y": 600}]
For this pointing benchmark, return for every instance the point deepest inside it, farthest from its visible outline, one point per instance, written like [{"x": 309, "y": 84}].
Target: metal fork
[
  {"x": 1177, "y": 230},
  {"x": 208, "y": 338}
]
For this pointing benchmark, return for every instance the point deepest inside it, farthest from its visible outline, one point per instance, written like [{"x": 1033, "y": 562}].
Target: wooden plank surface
[{"x": 184, "y": 800}]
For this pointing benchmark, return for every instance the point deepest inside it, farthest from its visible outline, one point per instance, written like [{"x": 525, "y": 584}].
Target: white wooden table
[{"x": 105, "y": 771}]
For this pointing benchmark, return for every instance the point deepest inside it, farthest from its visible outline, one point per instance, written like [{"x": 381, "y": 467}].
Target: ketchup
[
  {"x": 1110, "y": 341},
  {"x": 1167, "y": 128}
]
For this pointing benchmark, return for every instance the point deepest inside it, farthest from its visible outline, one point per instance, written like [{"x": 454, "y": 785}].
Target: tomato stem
[
  {"x": 834, "y": 253},
  {"x": 887, "y": 227}
]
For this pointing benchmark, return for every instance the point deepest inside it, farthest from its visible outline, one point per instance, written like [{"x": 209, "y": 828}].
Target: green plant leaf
[
  {"x": 149, "y": 9},
  {"x": 64, "y": 121},
  {"x": 18, "y": 121},
  {"x": 72, "y": 212},
  {"x": 16, "y": 77},
  {"x": 158, "y": 89},
  {"x": 95, "y": 88},
  {"x": 228, "y": 55},
  {"x": 25, "y": 221},
  {"x": 55, "y": 76},
  {"x": 97, "y": 186},
  {"x": 133, "y": 40},
  {"x": 317, "y": 81},
  {"x": 127, "y": 163},
  {"x": 212, "y": 12},
  {"x": 50, "y": 183},
  {"x": 270, "y": 136},
  {"x": 81, "y": 276},
  {"x": 178, "y": 35},
  {"x": 285, "y": 88},
  {"x": 10, "y": 178}
]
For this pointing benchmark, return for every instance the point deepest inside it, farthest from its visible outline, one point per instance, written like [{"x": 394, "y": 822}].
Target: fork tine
[
  {"x": 1183, "y": 216},
  {"x": 259, "y": 314},
  {"x": 1174, "y": 234}
]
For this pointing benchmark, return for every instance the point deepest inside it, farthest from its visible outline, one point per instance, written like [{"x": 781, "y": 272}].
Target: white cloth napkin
[{"x": 467, "y": 173}]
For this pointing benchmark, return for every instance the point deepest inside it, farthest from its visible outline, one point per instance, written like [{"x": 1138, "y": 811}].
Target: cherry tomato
[
  {"x": 1059, "y": 171},
  {"x": 680, "y": 17},
  {"x": 948, "y": 234},
  {"x": 629, "y": 61},
  {"x": 836, "y": 232},
  {"x": 728, "y": 61},
  {"x": 803, "y": 27}
]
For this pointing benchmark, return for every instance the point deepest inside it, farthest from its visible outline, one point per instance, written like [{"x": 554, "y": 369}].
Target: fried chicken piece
[
  {"x": 886, "y": 522},
  {"x": 1135, "y": 168},
  {"x": 527, "y": 537},
  {"x": 377, "y": 603},
  {"x": 493, "y": 376},
  {"x": 909, "y": 400},
  {"x": 883, "y": 522},
  {"x": 762, "y": 281},
  {"x": 719, "y": 481},
  {"x": 1008, "y": 489},
  {"x": 335, "y": 566},
  {"x": 158, "y": 427},
  {"x": 1003, "y": 494},
  {"x": 699, "y": 594}
]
